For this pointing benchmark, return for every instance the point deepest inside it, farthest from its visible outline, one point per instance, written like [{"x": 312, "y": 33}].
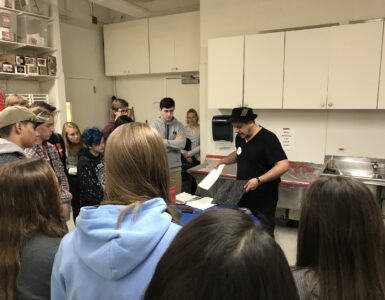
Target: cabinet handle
[
  {"x": 323, "y": 105},
  {"x": 174, "y": 69},
  {"x": 330, "y": 104}
]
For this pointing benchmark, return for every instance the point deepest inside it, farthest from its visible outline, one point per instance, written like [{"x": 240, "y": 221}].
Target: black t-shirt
[{"x": 258, "y": 156}]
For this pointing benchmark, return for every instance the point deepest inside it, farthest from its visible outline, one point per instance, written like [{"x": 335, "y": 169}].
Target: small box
[
  {"x": 36, "y": 39},
  {"x": 43, "y": 70},
  {"x": 20, "y": 60},
  {"x": 5, "y": 20},
  {"x": 19, "y": 69},
  {"x": 32, "y": 30},
  {"x": 7, "y": 67},
  {"x": 30, "y": 61},
  {"x": 41, "y": 62},
  {"x": 9, "y": 58},
  {"x": 32, "y": 70},
  {"x": 8, "y": 36},
  {"x": 12, "y": 59},
  {"x": 51, "y": 65},
  {"x": 8, "y": 25}
]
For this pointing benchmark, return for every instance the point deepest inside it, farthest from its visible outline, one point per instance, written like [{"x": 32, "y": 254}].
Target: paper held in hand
[{"x": 211, "y": 178}]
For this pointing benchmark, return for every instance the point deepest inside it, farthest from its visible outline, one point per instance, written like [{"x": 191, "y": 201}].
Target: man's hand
[
  {"x": 185, "y": 154},
  {"x": 179, "y": 137},
  {"x": 251, "y": 185},
  {"x": 219, "y": 162}
]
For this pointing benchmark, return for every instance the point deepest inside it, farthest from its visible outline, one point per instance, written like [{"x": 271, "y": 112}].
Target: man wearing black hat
[{"x": 260, "y": 160}]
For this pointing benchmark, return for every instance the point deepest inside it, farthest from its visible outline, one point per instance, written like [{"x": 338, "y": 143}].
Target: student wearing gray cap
[
  {"x": 17, "y": 132},
  {"x": 261, "y": 161}
]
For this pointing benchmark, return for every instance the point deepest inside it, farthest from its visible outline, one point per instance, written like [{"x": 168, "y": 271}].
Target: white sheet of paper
[
  {"x": 183, "y": 197},
  {"x": 211, "y": 178},
  {"x": 202, "y": 203}
]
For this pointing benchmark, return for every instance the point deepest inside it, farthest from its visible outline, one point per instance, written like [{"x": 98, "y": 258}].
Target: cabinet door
[
  {"x": 126, "y": 48},
  {"x": 187, "y": 43},
  {"x": 381, "y": 92},
  {"x": 306, "y": 68},
  {"x": 161, "y": 36},
  {"x": 355, "y": 66},
  {"x": 225, "y": 72},
  {"x": 264, "y": 54},
  {"x": 174, "y": 43}
]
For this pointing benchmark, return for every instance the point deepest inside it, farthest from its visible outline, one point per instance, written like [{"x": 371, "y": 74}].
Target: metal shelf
[
  {"x": 15, "y": 47},
  {"x": 26, "y": 77},
  {"x": 21, "y": 12}
]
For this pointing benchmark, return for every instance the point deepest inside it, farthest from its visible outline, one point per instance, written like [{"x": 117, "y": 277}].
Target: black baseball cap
[{"x": 242, "y": 115}]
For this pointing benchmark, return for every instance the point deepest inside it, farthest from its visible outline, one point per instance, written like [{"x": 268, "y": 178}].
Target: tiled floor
[{"x": 285, "y": 236}]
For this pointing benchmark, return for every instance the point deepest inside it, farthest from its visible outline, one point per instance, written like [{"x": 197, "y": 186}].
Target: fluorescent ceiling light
[{"x": 124, "y": 7}]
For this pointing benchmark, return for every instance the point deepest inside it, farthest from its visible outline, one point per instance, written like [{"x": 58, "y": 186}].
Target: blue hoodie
[{"x": 99, "y": 261}]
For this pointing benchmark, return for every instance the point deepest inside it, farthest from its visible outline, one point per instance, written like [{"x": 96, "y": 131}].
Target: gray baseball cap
[{"x": 14, "y": 114}]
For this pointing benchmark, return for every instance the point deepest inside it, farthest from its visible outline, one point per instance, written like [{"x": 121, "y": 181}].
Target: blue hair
[{"x": 92, "y": 136}]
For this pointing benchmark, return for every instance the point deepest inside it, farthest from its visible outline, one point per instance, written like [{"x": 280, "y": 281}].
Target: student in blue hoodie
[{"x": 113, "y": 252}]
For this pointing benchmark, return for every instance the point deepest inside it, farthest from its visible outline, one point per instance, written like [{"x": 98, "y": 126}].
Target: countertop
[{"x": 299, "y": 174}]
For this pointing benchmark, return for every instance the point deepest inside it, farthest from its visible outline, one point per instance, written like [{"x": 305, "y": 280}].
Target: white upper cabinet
[
  {"x": 354, "y": 66},
  {"x": 381, "y": 92},
  {"x": 306, "y": 68},
  {"x": 263, "y": 82},
  {"x": 174, "y": 43},
  {"x": 126, "y": 48},
  {"x": 225, "y": 72}
]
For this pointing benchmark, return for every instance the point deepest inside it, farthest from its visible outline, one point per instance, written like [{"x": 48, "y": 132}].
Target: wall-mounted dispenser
[{"x": 222, "y": 128}]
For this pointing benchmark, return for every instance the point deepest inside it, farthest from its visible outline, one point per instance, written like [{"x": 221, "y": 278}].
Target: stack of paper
[
  {"x": 203, "y": 203},
  {"x": 183, "y": 197}
]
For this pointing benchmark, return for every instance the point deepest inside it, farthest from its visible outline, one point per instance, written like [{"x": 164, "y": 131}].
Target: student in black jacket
[{"x": 91, "y": 168}]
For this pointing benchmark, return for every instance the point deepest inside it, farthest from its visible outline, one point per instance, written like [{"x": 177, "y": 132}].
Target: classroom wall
[
  {"x": 145, "y": 92},
  {"x": 315, "y": 132},
  {"x": 87, "y": 88}
]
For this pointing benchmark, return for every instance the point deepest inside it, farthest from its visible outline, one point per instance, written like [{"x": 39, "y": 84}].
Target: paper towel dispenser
[{"x": 222, "y": 128}]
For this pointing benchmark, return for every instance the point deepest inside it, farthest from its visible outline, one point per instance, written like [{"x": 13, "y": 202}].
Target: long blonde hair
[
  {"x": 24, "y": 212},
  {"x": 71, "y": 148},
  {"x": 136, "y": 167}
]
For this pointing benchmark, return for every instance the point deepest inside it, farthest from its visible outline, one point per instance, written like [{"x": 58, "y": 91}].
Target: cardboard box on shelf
[
  {"x": 32, "y": 70},
  {"x": 6, "y": 34},
  {"x": 20, "y": 69},
  {"x": 7, "y": 67},
  {"x": 12, "y": 59},
  {"x": 20, "y": 60},
  {"x": 36, "y": 39},
  {"x": 43, "y": 70},
  {"x": 5, "y": 20},
  {"x": 30, "y": 61},
  {"x": 41, "y": 62},
  {"x": 51, "y": 65}
]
